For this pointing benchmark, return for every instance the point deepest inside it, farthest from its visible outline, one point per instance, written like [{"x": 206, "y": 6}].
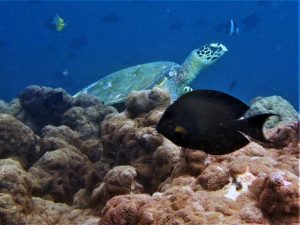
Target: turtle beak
[
  {"x": 218, "y": 47},
  {"x": 223, "y": 47}
]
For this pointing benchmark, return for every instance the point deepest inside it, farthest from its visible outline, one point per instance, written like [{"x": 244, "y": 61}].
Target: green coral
[{"x": 273, "y": 104}]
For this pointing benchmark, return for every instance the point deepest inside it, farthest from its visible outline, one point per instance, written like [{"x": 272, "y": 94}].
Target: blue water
[{"x": 103, "y": 37}]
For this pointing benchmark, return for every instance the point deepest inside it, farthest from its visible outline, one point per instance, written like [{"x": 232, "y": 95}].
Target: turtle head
[
  {"x": 209, "y": 53},
  {"x": 197, "y": 60}
]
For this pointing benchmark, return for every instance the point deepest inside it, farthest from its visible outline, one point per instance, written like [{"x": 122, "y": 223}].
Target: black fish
[
  {"x": 111, "y": 18},
  {"x": 211, "y": 121}
]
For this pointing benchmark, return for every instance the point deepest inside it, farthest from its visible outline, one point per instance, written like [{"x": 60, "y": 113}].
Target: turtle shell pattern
[{"x": 115, "y": 87}]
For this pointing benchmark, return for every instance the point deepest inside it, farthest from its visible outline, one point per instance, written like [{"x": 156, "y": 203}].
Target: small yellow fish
[{"x": 59, "y": 23}]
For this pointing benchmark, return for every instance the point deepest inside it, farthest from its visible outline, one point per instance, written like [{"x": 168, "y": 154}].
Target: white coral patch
[
  {"x": 239, "y": 185},
  {"x": 278, "y": 177}
]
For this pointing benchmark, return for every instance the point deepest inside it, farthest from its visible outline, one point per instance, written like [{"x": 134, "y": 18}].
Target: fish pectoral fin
[{"x": 246, "y": 136}]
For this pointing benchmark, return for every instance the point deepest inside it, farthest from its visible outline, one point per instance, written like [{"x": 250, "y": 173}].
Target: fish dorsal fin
[{"x": 231, "y": 107}]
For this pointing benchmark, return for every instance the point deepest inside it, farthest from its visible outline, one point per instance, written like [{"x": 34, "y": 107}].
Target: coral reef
[
  {"x": 59, "y": 174},
  {"x": 15, "y": 192},
  {"x": 124, "y": 139},
  {"x": 86, "y": 120},
  {"x": 274, "y": 104},
  {"x": 43, "y": 105},
  {"x": 140, "y": 102},
  {"x": 88, "y": 164},
  {"x": 118, "y": 181},
  {"x": 16, "y": 140},
  {"x": 4, "y": 107}
]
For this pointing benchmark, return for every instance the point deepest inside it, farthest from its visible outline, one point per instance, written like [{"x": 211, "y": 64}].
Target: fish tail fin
[{"x": 253, "y": 126}]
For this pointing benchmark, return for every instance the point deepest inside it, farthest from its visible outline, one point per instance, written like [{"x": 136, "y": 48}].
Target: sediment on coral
[{"x": 92, "y": 165}]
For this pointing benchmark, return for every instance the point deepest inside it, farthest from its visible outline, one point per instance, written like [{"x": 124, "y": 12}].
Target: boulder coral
[
  {"x": 120, "y": 180},
  {"x": 246, "y": 186},
  {"x": 59, "y": 174},
  {"x": 140, "y": 102},
  {"x": 274, "y": 104},
  {"x": 86, "y": 120},
  {"x": 44, "y": 105},
  {"x": 17, "y": 140},
  {"x": 15, "y": 192},
  {"x": 53, "y": 138},
  {"x": 123, "y": 140}
]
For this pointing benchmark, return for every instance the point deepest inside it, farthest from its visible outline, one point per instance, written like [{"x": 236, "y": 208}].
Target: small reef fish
[
  {"x": 229, "y": 28},
  {"x": 211, "y": 121},
  {"x": 59, "y": 23},
  {"x": 233, "y": 28}
]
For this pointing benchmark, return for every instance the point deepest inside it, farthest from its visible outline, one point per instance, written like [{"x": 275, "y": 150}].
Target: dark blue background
[{"x": 262, "y": 60}]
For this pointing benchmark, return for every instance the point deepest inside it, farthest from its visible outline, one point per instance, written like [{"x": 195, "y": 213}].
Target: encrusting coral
[{"x": 89, "y": 164}]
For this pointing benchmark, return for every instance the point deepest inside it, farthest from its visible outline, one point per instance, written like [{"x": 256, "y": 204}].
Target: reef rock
[
  {"x": 140, "y": 102},
  {"x": 118, "y": 181},
  {"x": 15, "y": 192},
  {"x": 16, "y": 140},
  {"x": 253, "y": 185},
  {"x": 280, "y": 194},
  {"x": 17, "y": 206},
  {"x": 92, "y": 165},
  {"x": 4, "y": 107},
  {"x": 273, "y": 104},
  {"x": 85, "y": 100},
  {"x": 59, "y": 174},
  {"x": 86, "y": 120},
  {"x": 123, "y": 140},
  {"x": 93, "y": 149},
  {"x": 43, "y": 105}
]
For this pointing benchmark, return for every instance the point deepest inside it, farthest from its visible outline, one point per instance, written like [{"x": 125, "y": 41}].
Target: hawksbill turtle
[{"x": 115, "y": 87}]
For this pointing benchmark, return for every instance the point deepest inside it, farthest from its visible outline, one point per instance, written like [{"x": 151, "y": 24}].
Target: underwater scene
[{"x": 149, "y": 112}]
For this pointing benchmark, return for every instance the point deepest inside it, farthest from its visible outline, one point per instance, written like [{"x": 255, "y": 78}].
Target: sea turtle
[{"x": 114, "y": 88}]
